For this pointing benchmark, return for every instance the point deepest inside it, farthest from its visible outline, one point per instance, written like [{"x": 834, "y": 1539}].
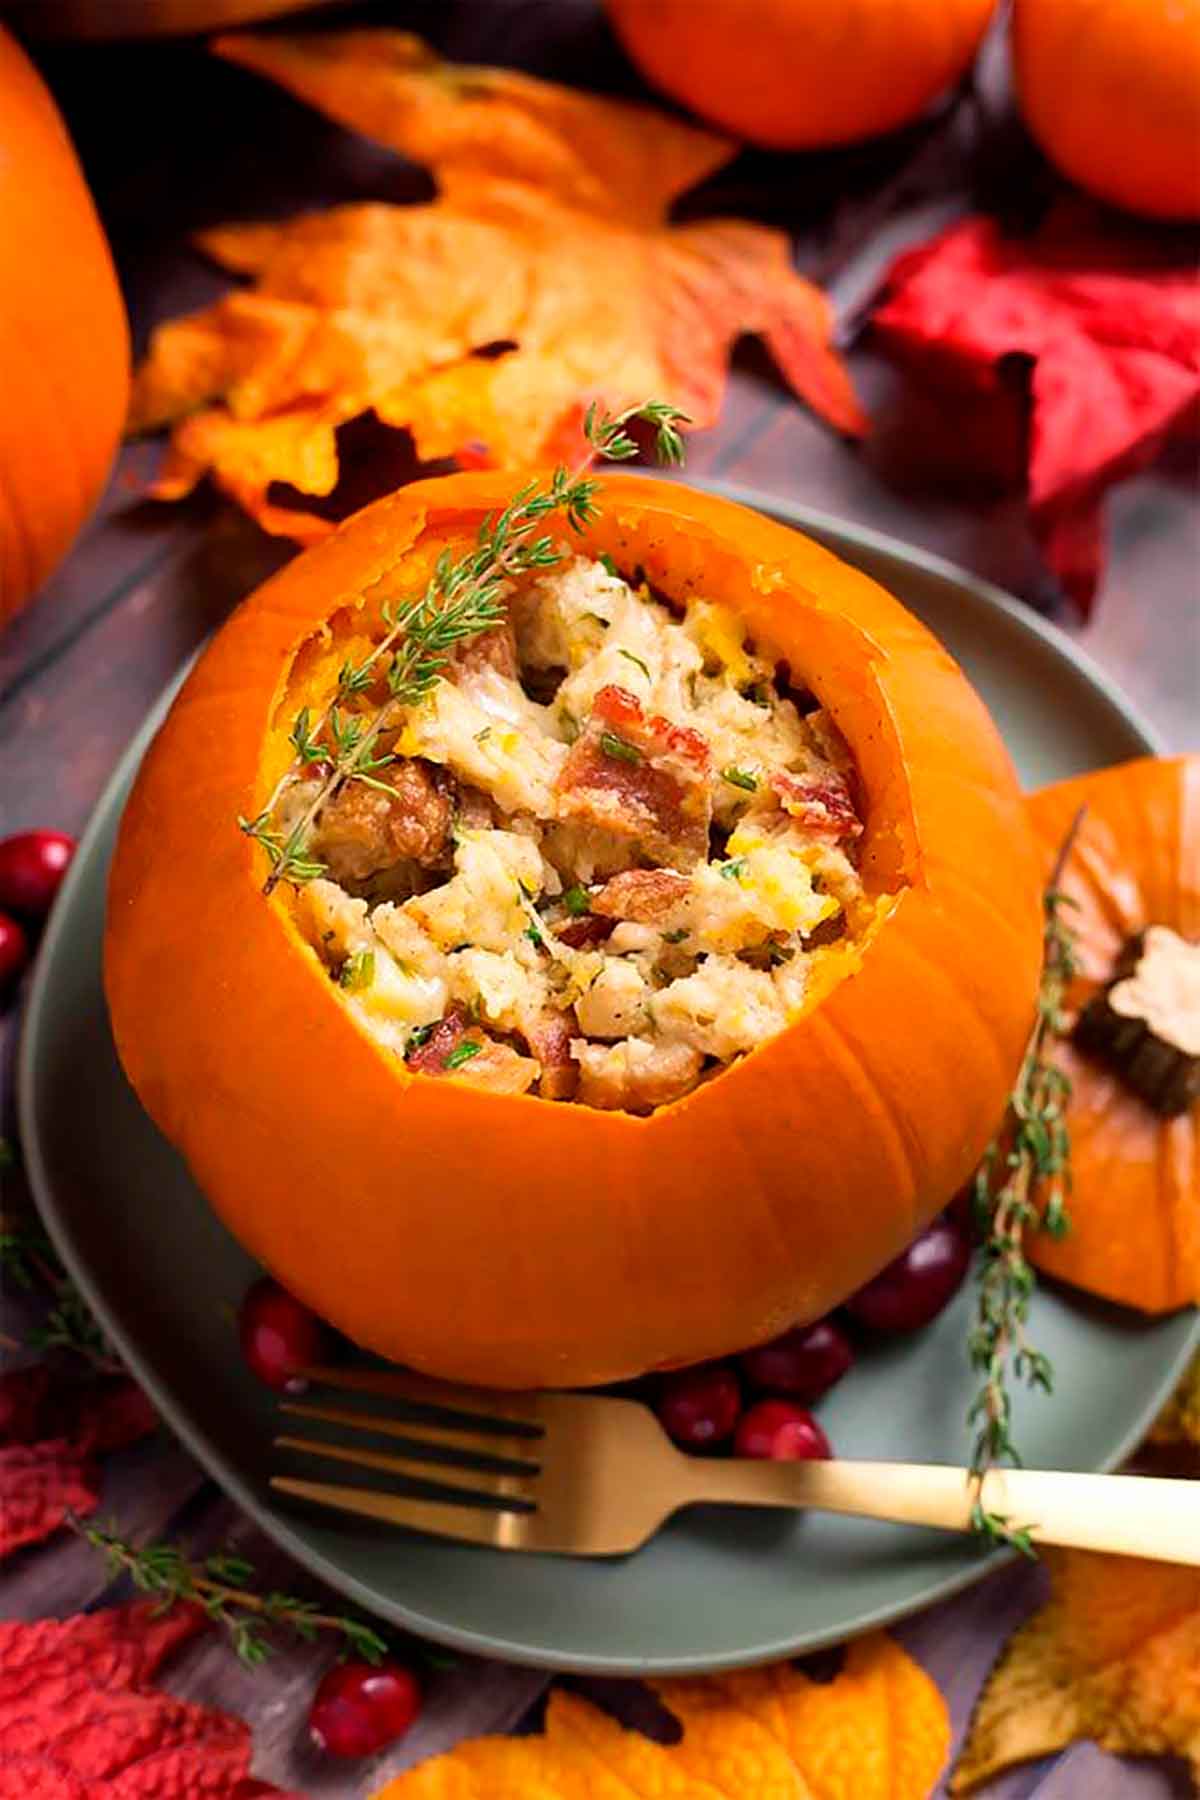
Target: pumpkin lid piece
[
  {"x": 1134, "y": 1056},
  {"x": 491, "y": 1236}
]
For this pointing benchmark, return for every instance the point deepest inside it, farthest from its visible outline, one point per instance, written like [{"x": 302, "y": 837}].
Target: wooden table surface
[{"x": 173, "y": 140}]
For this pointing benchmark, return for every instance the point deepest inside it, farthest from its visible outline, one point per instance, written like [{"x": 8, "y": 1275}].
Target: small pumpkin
[
  {"x": 1133, "y": 875},
  {"x": 802, "y": 74},
  {"x": 64, "y": 342},
  {"x": 1111, "y": 91},
  {"x": 501, "y": 1238}
]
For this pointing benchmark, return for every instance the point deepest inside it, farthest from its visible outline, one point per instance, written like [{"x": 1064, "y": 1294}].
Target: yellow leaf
[
  {"x": 543, "y": 277},
  {"x": 1114, "y": 1656},
  {"x": 878, "y": 1731}
]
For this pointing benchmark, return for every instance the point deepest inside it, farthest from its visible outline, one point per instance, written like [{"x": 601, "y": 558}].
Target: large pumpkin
[
  {"x": 1135, "y": 1205},
  {"x": 64, "y": 344},
  {"x": 503, "y": 1239},
  {"x": 802, "y": 74},
  {"x": 1111, "y": 91}
]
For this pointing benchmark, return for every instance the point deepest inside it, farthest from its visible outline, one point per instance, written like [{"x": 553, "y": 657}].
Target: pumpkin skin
[
  {"x": 508, "y": 1240},
  {"x": 64, "y": 342},
  {"x": 1111, "y": 91},
  {"x": 1135, "y": 1200},
  {"x": 802, "y": 74}
]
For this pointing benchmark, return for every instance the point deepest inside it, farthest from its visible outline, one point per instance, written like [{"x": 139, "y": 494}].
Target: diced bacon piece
[
  {"x": 585, "y": 933},
  {"x": 549, "y": 1037},
  {"x": 642, "y": 778},
  {"x": 494, "y": 649},
  {"x": 821, "y": 802},
  {"x": 635, "y": 1075},
  {"x": 456, "y": 1048},
  {"x": 362, "y": 829},
  {"x": 645, "y": 895}
]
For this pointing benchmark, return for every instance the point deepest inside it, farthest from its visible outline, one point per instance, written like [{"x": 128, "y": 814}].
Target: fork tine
[
  {"x": 518, "y": 1412},
  {"x": 484, "y": 1482},
  {"x": 444, "y": 1518},
  {"x": 416, "y": 1433}
]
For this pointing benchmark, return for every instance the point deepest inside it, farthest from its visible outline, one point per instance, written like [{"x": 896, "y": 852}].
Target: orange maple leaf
[
  {"x": 878, "y": 1731},
  {"x": 543, "y": 277},
  {"x": 1114, "y": 1656}
]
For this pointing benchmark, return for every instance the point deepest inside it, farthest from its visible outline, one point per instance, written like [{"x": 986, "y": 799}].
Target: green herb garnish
[
  {"x": 1019, "y": 1189},
  {"x": 733, "y": 870},
  {"x": 577, "y": 901},
  {"x": 616, "y": 747},
  {"x": 637, "y": 662},
  {"x": 462, "y": 1053},
  {"x": 462, "y": 599},
  {"x": 740, "y": 778},
  {"x": 357, "y": 972}
]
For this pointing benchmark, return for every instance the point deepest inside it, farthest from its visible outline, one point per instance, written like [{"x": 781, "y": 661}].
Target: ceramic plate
[{"x": 718, "y": 1587}]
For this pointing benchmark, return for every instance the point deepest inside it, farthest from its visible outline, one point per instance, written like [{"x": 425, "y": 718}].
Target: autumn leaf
[
  {"x": 80, "y": 1718},
  {"x": 1179, "y": 1423},
  {"x": 50, "y": 1434},
  {"x": 543, "y": 277},
  {"x": 878, "y": 1731},
  {"x": 1108, "y": 326},
  {"x": 1114, "y": 1656}
]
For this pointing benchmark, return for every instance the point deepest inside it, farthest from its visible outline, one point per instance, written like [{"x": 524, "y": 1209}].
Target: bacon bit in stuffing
[
  {"x": 549, "y": 1037},
  {"x": 584, "y": 934},
  {"x": 642, "y": 777},
  {"x": 363, "y": 830},
  {"x": 635, "y": 1075},
  {"x": 821, "y": 802},
  {"x": 495, "y": 649},
  {"x": 646, "y": 895},
  {"x": 453, "y": 1047}
]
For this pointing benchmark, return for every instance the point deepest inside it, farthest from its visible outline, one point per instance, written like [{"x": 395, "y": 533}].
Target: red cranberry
[
  {"x": 913, "y": 1289},
  {"x": 14, "y": 952},
  {"x": 279, "y": 1336},
  {"x": 780, "y": 1431},
  {"x": 32, "y": 865},
  {"x": 699, "y": 1407},
  {"x": 805, "y": 1362},
  {"x": 359, "y": 1707}
]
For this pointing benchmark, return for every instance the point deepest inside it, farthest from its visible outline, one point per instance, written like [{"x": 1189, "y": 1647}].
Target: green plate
[{"x": 718, "y": 1587}]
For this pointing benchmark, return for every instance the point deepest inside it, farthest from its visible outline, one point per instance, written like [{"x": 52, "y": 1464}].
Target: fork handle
[{"x": 1129, "y": 1515}]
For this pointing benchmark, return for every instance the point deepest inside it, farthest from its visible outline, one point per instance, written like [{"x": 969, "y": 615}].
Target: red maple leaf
[
  {"x": 1109, "y": 327},
  {"x": 80, "y": 1718},
  {"x": 50, "y": 1435}
]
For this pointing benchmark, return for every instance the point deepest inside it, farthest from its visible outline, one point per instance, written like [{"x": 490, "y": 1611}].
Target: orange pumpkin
[
  {"x": 1111, "y": 91},
  {"x": 504, "y": 1239},
  {"x": 64, "y": 343},
  {"x": 1135, "y": 1205},
  {"x": 802, "y": 74}
]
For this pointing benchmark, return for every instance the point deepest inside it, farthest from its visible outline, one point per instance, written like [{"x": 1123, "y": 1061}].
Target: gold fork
[{"x": 588, "y": 1476}]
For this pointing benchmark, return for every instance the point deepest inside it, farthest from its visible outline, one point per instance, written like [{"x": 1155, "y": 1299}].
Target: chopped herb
[
  {"x": 569, "y": 723},
  {"x": 481, "y": 737},
  {"x": 616, "y": 747},
  {"x": 606, "y": 562},
  {"x": 740, "y": 778},
  {"x": 536, "y": 937},
  {"x": 577, "y": 901},
  {"x": 420, "y": 1036},
  {"x": 637, "y": 661},
  {"x": 734, "y": 869},
  {"x": 358, "y": 971},
  {"x": 596, "y": 619},
  {"x": 674, "y": 937},
  {"x": 462, "y": 1053}
]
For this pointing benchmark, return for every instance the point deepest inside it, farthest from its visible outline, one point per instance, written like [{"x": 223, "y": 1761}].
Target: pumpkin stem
[{"x": 1146, "y": 1021}]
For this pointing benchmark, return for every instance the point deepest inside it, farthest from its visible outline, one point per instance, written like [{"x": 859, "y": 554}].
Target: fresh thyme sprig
[
  {"x": 223, "y": 1584},
  {"x": 29, "y": 1261},
  {"x": 462, "y": 599},
  {"x": 1019, "y": 1189}
]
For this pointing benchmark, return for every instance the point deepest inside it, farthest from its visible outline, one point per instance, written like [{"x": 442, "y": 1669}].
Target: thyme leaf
[
  {"x": 1019, "y": 1189},
  {"x": 462, "y": 599}
]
